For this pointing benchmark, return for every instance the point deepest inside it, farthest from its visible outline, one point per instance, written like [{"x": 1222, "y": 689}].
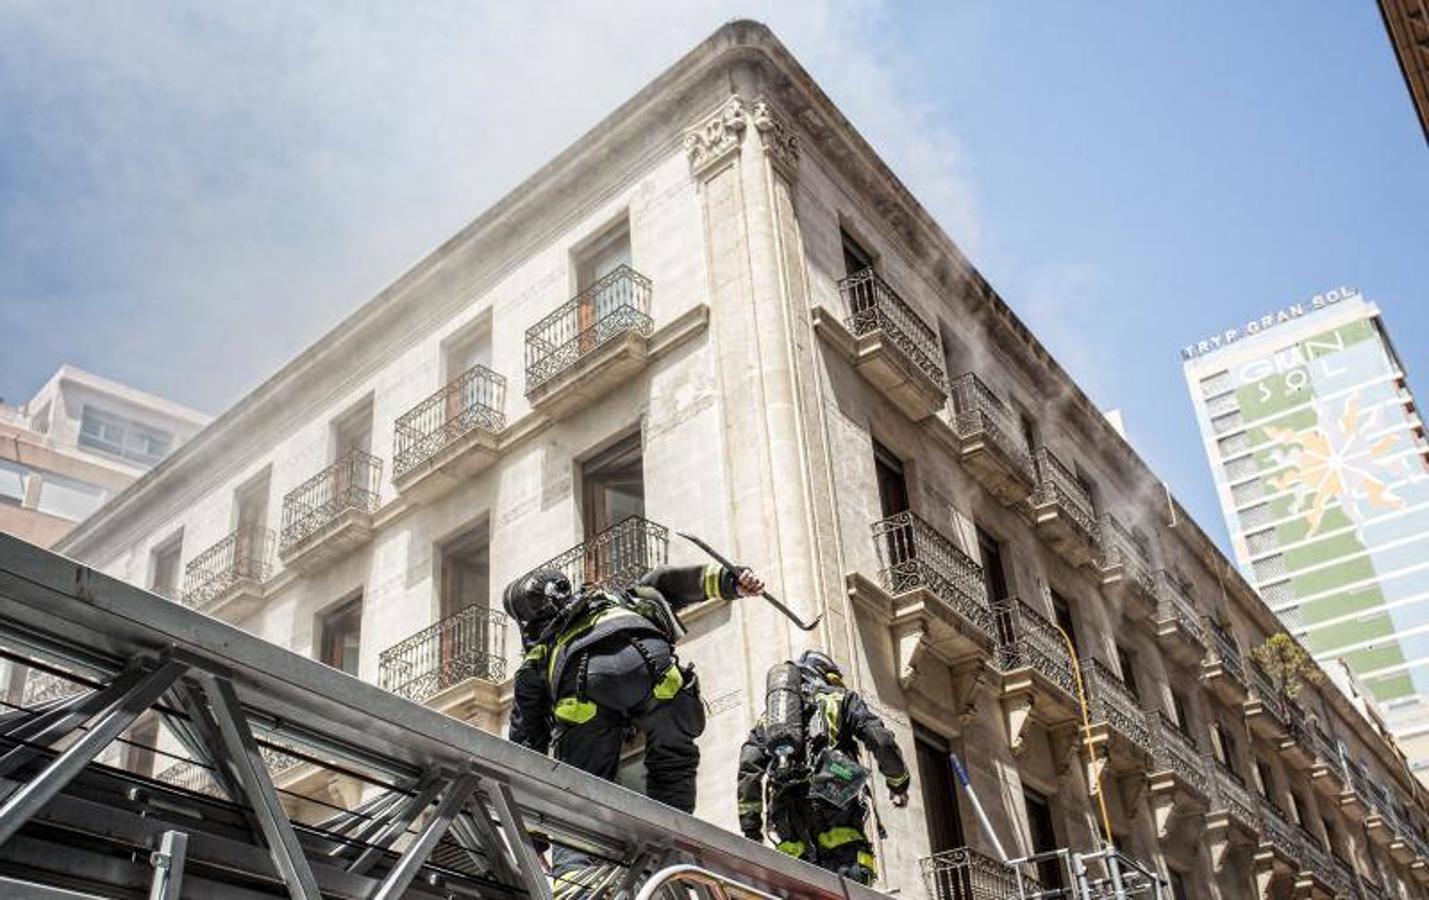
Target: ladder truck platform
[{"x": 438, "y": 808}]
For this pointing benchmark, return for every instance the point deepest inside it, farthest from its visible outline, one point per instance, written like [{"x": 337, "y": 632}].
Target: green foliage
[{"x": 1287, "y": 664}]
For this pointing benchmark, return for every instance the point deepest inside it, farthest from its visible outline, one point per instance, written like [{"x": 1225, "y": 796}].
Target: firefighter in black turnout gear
[
  {"x": 802, "y": 758},
  {"x": 600, "y": 663}
]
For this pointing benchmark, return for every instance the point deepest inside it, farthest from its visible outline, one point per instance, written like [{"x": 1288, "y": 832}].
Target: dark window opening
[
  {"x": 1223, "y": 745},
  {"x": 466, "y": 572},
  {"x": 1266, "y": 776},
  {"x": 856, "y": 259},
  {"x": 994, "y": 571},
  {"x": 1179, "y": 891},
  {"x": 892, "y": 484},
  {"x": 1127, "y": 661},
  {"x": 1062, "y": 615},
  {"x": 940, "y": 798},
  {"x": 613, "y": 483},
  {"x": 1183, "y": 718},
  {"x": 341, "y": 636},
  {"x": 1043, "y": 838}
]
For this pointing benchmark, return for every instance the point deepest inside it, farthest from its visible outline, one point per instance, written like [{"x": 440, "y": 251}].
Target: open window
[
  {"x": 1042, "y": 838},
  {"x": 940, "y": 794},
  {"x": 613, "y": 485},
  {"x": 340, "y": 639},
  {"x": 856, "y": 258},
  {"x": 164, "y": 569},
  {"x": 600, "y": 287},
  {"x": 994, "y": 567}
]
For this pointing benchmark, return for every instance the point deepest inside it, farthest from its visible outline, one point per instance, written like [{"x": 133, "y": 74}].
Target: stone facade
[{"x": 872, "y": 441}]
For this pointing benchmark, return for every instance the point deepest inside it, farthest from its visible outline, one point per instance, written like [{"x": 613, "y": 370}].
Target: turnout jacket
[
  {"x": 538, "y": 678},
  {"x": 849, "y": 720}
]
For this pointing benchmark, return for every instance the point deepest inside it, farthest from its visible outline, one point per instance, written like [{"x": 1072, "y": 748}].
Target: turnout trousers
[{"x": 827, "y": 836}]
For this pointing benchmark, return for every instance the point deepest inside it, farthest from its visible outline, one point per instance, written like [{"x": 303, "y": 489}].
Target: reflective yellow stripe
[
  {"x": 536, "y": 653},
  {"x": 866, "y": 860},
  {"x": 793, "y": 848},
  {"x": 712, "y": 573},
  {"x": 580, "y": 628},
  {"x": 897, "y": 781},
  {"x": 838, "y": 836},
  {"x": 833, "y": 704},
  {"x": 575, "y": 710},
  {"x": 749, "y": 806},
  {"x": 670, "y": 683}
]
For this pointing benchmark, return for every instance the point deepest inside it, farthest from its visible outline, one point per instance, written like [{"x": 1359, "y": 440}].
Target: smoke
[{"x": 193, "y": 193}]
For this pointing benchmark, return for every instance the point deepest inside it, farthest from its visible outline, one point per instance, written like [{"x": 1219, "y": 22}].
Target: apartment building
[
  {"x": 719, "y": 312},
  {"x": 80, "y": 440}
]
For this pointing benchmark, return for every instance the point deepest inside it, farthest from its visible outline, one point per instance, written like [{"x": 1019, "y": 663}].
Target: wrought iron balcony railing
[
  {"x": 1058, "y": 486},
  {"x": 1028, "y": 640},
  {"x": 967, "y": 874},
  {"x": 1277, "y": 831},
  {"x": 1318, "y": 862},
  {"x": 617, "y": 556},
  {"x": 1224, "y": 649},
  {"x": 466, "y": 644},
  {"x": 619, "y": 303},
  {"x": 874, "y": 306},
  {"x": 197, "y": 777},
  {"x": 43, "y": 687},
  {"x": 1173, "y": 751},
  {"x": 1121, "y": 549},
  {"x": 978, "y": 410},
  {"x": 913, "y": 554},
  {"x": 1271, "y": 700},
  {"x": 1327, "y": 747},
  {"x": 245, "y": 555},
  {"x": 474, "y": 400},
  {"x": 1230, "y": 795},
  {"x": 351, "y": 483},
  {"x": 1172, "y": 605},
  {"x": 1109, "y": 700}
]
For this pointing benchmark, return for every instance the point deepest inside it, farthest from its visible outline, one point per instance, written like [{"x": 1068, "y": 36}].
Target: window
[
  {"x": 108, "y": 433},
  {"x": 603, "y": 258},
  {"x": 1297, "y": 809},
  {"x": 14, "y": 478},
  {"x": 165, "y": 567},
  {"x": 1265, "y": 779},
  {"x": 467, "y": 351},
  {"x": 1062, "y": 615},
  {"x": 341, "y": 636},
  {"x": 1224, "y": 748},
  {"x": 940, "y": 797},
  {"x": 856, "y": 259},
  {"x": 1127, "y": 661},
  {"x": 892, "y": 484},
  {"x": 68, "y": 498},
  {"x": 1029, "y": 428},
  {"x": 613, "y": 485},
  {"x": 1042, "y": 837},
  {"x": 994, "y": 572},
  {"x": 1183, "y": 719},
  {"x": 1179, "y": 891},
  {"x": 466, "y": 572},
  {"x": 352, "y": 432}
]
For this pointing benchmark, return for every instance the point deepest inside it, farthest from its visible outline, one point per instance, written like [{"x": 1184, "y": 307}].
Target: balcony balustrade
[
  {"x": 468, "y": 644},
  {"x": 1277, "y": 835},
  {"x": 1038, "y": 681},
  {"x": 616, "y": 557},
  {"x": 1327, "y": 772},
  {"x": 926, "y": 575},
  {"x": 1297, "y": 748},
  {"x": 198, "y": 778},
  {"x": 1381, "y": 822},
  {"x": 990, "y": 441},
  {"x": 1117, "y": 720},
  {"x": 1354, "y": 800},
  {"x": 1062, "y": 510},
  {"x": 1223, "y": 669},
  {"x": 967, "y": 874},
  {"x": 888, "y": 344},
  {"x": 1178, "y": 627},
  {"x": 331, "y": 513},
  {"x": 1178, "y": 779},
  {"x": 450, "y": 436},
  {"x": 592, "y": 342},
  {"x": 1230, "y": 798},
  {"x": 1266, "y": 709},
  {"x": 1126, "y": 571},
  {"x": 1318, "y": 869},
  {"x": 227, "y": 579}
]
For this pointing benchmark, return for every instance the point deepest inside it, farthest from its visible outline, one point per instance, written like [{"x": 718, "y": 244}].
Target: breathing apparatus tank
[{"x": 784, "y": 713}]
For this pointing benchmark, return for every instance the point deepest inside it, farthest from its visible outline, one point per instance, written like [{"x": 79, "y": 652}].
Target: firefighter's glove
[{"x": 747, "y": 584}]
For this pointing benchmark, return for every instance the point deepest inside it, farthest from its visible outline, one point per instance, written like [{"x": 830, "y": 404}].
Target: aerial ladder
[{"x": 441, "y": 810}]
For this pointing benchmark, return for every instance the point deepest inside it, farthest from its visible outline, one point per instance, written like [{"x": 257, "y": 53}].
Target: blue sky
[{"x": 192, "y": 193}]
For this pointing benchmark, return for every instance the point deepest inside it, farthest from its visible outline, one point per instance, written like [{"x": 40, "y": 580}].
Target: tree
[{"x": 1287, "y": 664}]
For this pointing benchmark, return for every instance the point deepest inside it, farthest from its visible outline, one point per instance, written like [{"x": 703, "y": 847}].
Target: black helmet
[
  {"x": 821, "y": 665},
  {"x": 536, "y": 597}
]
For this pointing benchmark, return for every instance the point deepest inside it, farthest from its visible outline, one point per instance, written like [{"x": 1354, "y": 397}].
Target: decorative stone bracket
[{"x": 719, "y": 136}]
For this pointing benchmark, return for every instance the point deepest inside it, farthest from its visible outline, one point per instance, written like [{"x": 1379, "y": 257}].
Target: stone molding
[
  {"x": 716, "y": 138},
  {"x": 780, "y": 142}
]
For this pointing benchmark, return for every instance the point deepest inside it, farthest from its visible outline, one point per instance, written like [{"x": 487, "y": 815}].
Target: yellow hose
[{"x": 1096, "y": 786}]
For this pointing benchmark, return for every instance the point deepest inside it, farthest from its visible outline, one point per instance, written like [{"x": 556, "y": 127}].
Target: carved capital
[
  {"x": 717, "y": 137},
  {"x": 779, "y": 140},
  {"x": 1017, "y": 710}
]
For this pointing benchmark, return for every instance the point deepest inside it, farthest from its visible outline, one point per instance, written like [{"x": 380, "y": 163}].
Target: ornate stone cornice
[
  {"x": 779, "y": 140},
  {"x": 717, "y": 137}
]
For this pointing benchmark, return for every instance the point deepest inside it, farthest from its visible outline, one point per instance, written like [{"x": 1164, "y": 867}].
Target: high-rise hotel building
[{"x": 1320, "y": 462}]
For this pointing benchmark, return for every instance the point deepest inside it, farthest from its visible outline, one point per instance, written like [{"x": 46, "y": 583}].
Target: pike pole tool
[{"x": 719, "y": 558}]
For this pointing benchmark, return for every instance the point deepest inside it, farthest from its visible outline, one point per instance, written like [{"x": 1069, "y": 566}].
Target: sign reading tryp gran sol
[{"x": 1267, "y": 321}]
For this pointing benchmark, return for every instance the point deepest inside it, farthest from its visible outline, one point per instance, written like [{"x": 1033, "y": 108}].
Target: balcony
[
  {"x": 450, "y": 436},
  {"x": 1280, "y": 843},
  {"x": 451, "y": 665},
  {"x": 1266, "y": 711},
  {"x": 1354, "y": 800},
  {"x": 1126, "y": 571},
  {"x": 1038, "y": 681},
  {"x": 1118, "y": 723},
  {"x": 1062, "y": 510},
  {"x": 1319, "y": 876},
  {"x": 990, "y": 441},
  {"x": 1178, "y": 628},
  {"x": 619, "y": 556},
  {"x": 594, "y": 341},
  {"x": 1179, "y": 782},
  {"x": 1223, "y": 669},
  {"x": 968, "y": 874},
  {"x": 1296, "y": 746},
  {"x": 227, "y": 579},
  {"x": 1380, "y": 821},
  {"x": 1327, "y": 772},
  {"x": 330, "y": 514},
  {"x": 888, "y": 344}
]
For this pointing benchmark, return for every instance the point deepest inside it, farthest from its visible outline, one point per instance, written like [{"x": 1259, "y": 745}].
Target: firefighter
[
  {"x": 600, "y": 663},
  {"x": 803, "y": 758}
]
